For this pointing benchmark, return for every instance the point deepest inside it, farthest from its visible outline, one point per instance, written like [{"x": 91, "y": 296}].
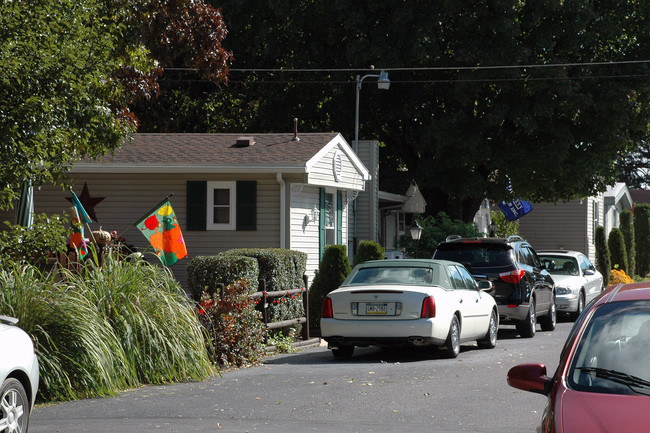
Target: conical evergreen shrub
[
  {"x": 627, "y": 227},
  {"x": 617, "y": 252},
  {"x": 333, "y": 269},
  {"x": 603, "y": 261}
]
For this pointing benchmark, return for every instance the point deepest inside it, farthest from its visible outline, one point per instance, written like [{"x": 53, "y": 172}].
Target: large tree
[
  {"x": 70, "y": 70},
  {"x": 543, "y": 96}
]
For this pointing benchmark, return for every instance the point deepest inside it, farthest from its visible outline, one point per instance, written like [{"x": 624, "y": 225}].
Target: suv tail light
[
  {"x": 327, "y": 309},
  {"x": 428, "y": 308},
  {"x": 513, "y": 277}
]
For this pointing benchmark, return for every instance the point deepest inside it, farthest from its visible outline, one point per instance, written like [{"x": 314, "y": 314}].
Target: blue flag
[{"x": 515, "y": 209}]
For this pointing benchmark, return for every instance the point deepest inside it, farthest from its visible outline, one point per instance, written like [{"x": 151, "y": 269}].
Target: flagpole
[{"x": 170, "y": 195}]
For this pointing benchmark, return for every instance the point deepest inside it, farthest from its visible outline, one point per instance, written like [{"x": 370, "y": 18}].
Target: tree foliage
[
  {"x": 453, "y": 111},
  {"x": 72, "y": 68}
]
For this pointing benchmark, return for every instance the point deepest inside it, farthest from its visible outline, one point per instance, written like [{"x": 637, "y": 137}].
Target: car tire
[
  {"x": 451, "y": 349},
  {"x": 549, "y": 321},
  {"x": 490, "y": 339},
  {"x": 15, "y": 406},
  {"x": 343, "y": 352},
  {"x": 580, "y": 307},
  {"x": 527, "y": 327}
]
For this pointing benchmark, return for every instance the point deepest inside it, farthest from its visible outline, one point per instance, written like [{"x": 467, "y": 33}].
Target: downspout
[{"x": 283, "y": 211}]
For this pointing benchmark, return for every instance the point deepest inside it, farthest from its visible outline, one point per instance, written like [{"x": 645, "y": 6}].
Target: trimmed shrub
[
  {"x": 332, "y": 271},
  {"x": 233, "y": 325},
  {"x": 603, "y": 262},
  {"x": 205, "y": 273},
  {"x": 281, "y": 269},
  {"x": 617, "y": 253},
  {"x": 435, "y": 230},
  {"x": 627, "y": 227},
  {"x": 368, "y": 250},
  {"x": 642, "y": 238}
]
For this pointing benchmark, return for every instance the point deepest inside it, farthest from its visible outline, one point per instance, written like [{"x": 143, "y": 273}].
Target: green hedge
[
  {"x": 368, "y": 250},
  {"x": 281, "y": 269},
  {"x": 204, "y": 273}
]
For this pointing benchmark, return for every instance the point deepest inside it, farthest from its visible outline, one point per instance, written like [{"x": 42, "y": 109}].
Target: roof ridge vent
[{"x": 245, "y": 141}]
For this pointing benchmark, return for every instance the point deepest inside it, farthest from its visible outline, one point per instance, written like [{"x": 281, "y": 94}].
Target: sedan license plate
[{"x": 377, "y": 309}]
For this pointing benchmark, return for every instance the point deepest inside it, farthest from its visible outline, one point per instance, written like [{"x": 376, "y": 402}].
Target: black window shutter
[
  {"x": 197, "y": 200},
  {"x": 246, "y": 205}
]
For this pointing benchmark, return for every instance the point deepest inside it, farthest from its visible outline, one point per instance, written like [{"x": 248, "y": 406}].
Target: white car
[
  {"x": 18, "y": 375},
  {"x": 577, "y": 281},
  {"x": 419, "y": 302}
]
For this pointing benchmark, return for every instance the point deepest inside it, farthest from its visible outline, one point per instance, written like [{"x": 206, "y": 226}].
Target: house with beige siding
[
  {"x": 229, "y": 191},
  {"x": 572, "y": 225}
]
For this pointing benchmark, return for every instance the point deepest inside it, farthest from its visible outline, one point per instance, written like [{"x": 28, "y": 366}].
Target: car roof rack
[
  {"x": 453, "y": 238},
  {"x": 514, "y": 238}
]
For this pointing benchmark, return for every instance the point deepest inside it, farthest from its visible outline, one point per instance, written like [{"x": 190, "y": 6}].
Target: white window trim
[{"x": 232, "y": 187}]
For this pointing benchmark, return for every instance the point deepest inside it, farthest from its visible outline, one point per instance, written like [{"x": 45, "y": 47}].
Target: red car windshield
[{"x": 613, "y": 354}]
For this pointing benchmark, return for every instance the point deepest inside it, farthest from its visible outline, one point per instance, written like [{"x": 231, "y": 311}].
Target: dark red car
[{"x": 602, "y": 383}]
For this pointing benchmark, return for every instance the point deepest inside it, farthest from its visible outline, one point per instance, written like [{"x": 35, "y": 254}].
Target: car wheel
[
  {"x": 490, "y": 339},
  {"x": 526, "y": 327},
  {"x": 451, "y": 349},
  {"x": 549, "y": 321},
  {"x": 15, "y": 407},
  {"x": 343, "y": 352},
  {"x": 580, "y": 307}
]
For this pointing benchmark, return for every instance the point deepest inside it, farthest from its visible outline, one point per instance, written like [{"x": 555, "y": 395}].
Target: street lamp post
[
  {"x": 416, "y": 231},
  {"x": 383, "y": 83}
]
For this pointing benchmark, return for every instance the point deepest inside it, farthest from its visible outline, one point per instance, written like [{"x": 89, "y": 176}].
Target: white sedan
[
  {"x": 419, "y": 302},
  {"x": 18, "y": 375},
  {"x": 577, "y": 281}
]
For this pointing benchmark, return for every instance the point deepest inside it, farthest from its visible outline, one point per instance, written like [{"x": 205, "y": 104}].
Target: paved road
[{"x": 375, "y": 391}]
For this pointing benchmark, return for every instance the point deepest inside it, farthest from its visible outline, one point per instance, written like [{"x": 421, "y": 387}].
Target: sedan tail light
[
  {"x": 512, "y": 276},
  {"x": 428, "y": 308},
  {"x": 327, "y": 309}
]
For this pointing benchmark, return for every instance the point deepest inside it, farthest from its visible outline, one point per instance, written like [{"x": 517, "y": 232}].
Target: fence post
[
  {"x": 305, "y": 304},
  {"x": 265, "y": 298}
]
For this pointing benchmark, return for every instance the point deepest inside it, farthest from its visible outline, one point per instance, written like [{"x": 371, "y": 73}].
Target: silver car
[
  {"x": 577, "y": 281},
  {"x": 18, "y": 375}
]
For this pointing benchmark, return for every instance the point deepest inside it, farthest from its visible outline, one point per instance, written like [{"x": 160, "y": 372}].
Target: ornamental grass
[{"x": 105, "y": 329}]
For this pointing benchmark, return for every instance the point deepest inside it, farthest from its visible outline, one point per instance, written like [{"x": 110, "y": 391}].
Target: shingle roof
[{"x": 278, "y": 150}]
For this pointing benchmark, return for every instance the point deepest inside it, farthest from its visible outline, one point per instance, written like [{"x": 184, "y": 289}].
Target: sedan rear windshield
[
  {"x": 416, "y": 276},
  {"x": 476, "y": 254}
]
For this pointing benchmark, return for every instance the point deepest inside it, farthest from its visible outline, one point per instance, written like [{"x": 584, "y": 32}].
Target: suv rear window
[{"x": 477, "y": 254}]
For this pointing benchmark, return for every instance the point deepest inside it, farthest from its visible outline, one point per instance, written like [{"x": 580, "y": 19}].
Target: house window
[
  {"x": 221, "y": 206},
  {"x": 330, "y": 219}
]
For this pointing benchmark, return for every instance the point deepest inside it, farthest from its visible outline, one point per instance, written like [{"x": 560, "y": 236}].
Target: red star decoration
[{"x": 88, "y": 202}]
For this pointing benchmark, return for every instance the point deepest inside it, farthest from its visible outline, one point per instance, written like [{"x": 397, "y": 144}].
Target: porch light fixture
[{"x": 416, "y": 232}]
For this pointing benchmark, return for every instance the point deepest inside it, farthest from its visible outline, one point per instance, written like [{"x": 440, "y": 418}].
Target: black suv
[{"x": 524, "y": 291}]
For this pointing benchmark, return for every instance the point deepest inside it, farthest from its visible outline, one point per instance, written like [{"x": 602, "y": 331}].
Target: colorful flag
[
  {"x": 161, "y": 228},
  {"x": 77, "y": 236},
  {"x": 81, "y": 212}
]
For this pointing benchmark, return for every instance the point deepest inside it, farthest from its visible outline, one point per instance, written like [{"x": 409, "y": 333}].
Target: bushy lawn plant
[
  {"x": 233, "y": 325},
  {"x": 104, "y": 329}
]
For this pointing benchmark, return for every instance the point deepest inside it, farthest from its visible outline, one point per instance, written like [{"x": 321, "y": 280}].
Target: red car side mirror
[{"x": 530, "y": 377}]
